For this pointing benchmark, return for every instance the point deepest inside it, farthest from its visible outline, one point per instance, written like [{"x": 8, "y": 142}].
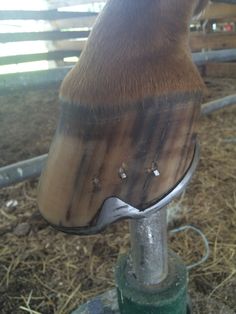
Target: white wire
[{"x": 204, "y": 238}]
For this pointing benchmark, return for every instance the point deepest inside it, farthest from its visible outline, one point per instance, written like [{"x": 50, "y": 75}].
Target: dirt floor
[{"x": 44, "y": 271}]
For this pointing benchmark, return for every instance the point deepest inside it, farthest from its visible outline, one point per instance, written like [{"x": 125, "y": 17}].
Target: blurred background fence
[{"x": 47, "y": 35}]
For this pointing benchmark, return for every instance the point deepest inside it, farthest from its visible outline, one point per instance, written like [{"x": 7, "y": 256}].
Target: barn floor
[{"x": 44, "y": 271}]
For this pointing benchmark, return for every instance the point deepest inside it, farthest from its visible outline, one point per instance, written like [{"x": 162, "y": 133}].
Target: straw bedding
[{"x": 44, "y": 271}]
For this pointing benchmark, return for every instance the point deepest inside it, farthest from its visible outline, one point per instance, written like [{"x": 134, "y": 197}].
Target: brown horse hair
[{"x": 137, "y": 49}]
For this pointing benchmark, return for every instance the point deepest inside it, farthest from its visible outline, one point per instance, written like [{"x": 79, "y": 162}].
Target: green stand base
[
  {"x": 169, "y": 297},
  {"x": 106, "y": 303}
]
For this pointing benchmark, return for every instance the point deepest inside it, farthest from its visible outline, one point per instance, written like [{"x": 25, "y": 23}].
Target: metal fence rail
[{"x": 21, "y": 171}]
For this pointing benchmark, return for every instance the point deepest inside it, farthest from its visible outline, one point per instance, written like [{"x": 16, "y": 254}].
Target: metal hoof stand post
[{"x": 150, "y": 279}]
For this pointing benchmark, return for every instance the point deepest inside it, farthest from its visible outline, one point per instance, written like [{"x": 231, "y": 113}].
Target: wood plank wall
[{"x": 68, "y": 31}]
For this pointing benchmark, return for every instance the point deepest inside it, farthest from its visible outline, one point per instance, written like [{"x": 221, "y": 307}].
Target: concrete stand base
[{"x": 169, "y": 297}]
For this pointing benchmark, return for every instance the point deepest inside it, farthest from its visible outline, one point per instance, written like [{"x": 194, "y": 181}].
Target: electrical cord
[{"x": 205, "y": 240}]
